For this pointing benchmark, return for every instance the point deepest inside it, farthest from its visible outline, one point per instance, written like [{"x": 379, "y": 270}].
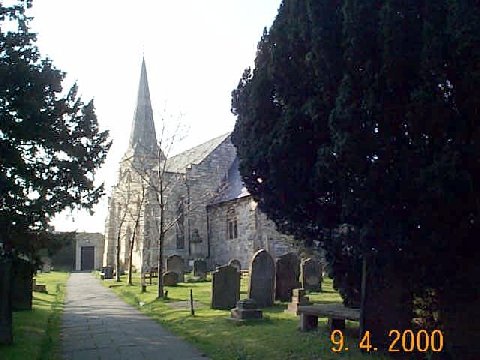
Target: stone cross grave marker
[
  {"x": 287, "y": 274},
  {"x": 225, "y": 287},
  {"x": 176, "y": 264},
  {"x": 261, "y": 287}
]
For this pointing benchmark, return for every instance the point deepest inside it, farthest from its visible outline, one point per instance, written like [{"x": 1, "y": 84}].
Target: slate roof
[
  {"x": 232, "y": 187},
  {"x": 195, "y": 155}
]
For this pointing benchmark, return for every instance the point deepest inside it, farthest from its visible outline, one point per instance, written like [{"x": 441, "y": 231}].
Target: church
[{"x": 196, "y": 198}]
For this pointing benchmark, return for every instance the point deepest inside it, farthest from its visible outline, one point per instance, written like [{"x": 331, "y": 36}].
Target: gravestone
[
  {"x": 200, "y": 268},
  {"x": 286, "y": 276},
  {"x": 170, "y": 278},
  {"x": 246, "y": 310},
  {"x": 236, "y": 264},
  {"x": 176, "y": 264},
  {"x": 22, "y": 285},
  {"x": 6, "y": 330},
  {"x": 262, "y": 279},
  {"x": 298, "y": 299},
  {"x": 311, "y": 274},
  {"x": 225, "y": 287},
  {"x": 107, "y": 272}
]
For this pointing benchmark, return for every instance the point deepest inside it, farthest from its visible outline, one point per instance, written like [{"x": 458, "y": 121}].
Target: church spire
[{"x": 143, "y": 138}]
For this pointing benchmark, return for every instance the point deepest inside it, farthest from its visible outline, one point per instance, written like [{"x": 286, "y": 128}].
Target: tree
[
  {"x": 169, "y": 201},
  {"x": 369, "y": 110},
  {"x": 123, "y": 209},
  {"x": 50, "y": 143},
  {"x": 136, "y": 217},
  {"x": 161, "y": 183},
  {"x": 50, "y": 147}
]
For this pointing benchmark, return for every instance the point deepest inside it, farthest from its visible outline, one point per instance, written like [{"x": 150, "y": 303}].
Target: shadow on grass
[
  {"x": 328, "y": 292},
  {"x": 277, "y": 308},
  {"x": 115, "y": 285},
  {"x": 44, "y": 302}
]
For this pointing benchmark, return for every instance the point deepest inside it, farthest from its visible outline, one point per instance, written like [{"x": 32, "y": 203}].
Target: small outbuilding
[{"x": 89, "y": 249}]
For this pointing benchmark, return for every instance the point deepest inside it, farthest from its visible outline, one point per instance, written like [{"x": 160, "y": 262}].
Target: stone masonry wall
[
  {"x": 203, "y": 181},
  {"x": 204, "y": 227},
  {"x": 255, "y": 231}
]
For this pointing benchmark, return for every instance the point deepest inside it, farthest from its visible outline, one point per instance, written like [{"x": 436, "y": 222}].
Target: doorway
[{"x": 87, "y": 258}]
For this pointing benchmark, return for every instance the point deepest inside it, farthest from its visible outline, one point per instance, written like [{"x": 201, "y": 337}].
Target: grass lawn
[
  {"x": 36, "y": 333},
  {"x": 275, "y": 337}
]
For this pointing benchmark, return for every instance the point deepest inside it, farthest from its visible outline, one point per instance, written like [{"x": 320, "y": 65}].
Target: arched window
[{"x": 232, "y": 226}]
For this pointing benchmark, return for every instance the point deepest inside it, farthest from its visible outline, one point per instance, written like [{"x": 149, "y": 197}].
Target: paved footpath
[{"x": 97, "y": 325}]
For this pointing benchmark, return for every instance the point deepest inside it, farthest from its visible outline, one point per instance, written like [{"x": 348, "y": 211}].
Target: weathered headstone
[
  {"x": 246, "y": 310},
  {"x": 6, "y": 330},
  {"x": 262, "y": 279},
  {"x": 225, "y": 287},
  {"x": 298, "y": 299},
  {"x": 286, "y": 275},
  {"x": 236, "y": 264},
  {"x": 107, "y": 272},
  {"x": 170, "y": 278},
  {"x": 200, "y": 268},
  {"x": 176, "y": 264},
  {"x": 22, "y": 285},
  {"x": 311, "y": 274}
]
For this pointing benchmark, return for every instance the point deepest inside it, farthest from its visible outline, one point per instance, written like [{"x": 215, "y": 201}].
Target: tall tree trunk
[
  {"x": 132, "y": 243},
  {"x": 117, "y": 260},
  {"x": 387, "y": 302},
  {"x": 161, "y": 238},
  {"x": 460, "y": 314},
  {"x": 130, "y": 261},
  {"x": 6, "y": 329}
]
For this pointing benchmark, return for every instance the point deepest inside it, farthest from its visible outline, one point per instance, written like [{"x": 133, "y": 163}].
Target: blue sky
[{"x": 195, "y": 52}]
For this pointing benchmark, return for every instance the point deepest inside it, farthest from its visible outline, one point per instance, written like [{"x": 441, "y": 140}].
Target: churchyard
[{"x": 275, "y": 336}]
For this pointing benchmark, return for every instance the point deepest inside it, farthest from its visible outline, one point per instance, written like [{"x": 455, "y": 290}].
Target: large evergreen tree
[
  {"x": 365, "y": 113},
  {"x": 50, "y": 143}
]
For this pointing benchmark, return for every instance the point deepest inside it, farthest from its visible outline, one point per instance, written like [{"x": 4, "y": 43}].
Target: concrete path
[{"x": 97, "y": 325}]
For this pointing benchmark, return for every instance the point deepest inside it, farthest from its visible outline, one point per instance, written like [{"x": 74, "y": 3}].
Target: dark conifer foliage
[
  {"x": 50, "y": 143},
  {"x": 366, "y": 114}
]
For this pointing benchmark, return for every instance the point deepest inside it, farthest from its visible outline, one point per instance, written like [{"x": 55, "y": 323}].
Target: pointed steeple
[{"x": 143, "y": 138}]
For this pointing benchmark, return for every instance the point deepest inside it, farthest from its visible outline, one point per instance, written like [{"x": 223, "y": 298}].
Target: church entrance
[{"x": 87, "y": 258}]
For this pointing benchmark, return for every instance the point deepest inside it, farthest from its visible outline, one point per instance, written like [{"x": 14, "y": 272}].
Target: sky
[{"x": 195, "y": 52}]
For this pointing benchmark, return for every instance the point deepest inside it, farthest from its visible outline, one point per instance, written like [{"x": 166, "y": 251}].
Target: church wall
[
  {"x": 203, "y": 181},
  {"x": 270, "y": 238},
  {"x": 223, "y": 249},
  {"x": 193, "y": 190},
  {"x": 254, "y": 232},
  {"x": 124, "y": 202},
  {"x": 176, "y": 194}
]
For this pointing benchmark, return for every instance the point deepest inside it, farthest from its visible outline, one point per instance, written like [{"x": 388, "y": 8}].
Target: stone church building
[{"x": 208, "y": 213}]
